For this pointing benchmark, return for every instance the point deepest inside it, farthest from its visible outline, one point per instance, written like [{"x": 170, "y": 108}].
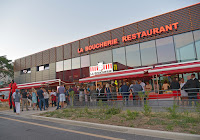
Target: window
[
  {"x": 43, "y": 67},
  {"x": 148, "y": 53},
  {"x": 67, "y": 64},
  {"x": 184, "y": 45},
  {"x": 76, "y": 63},
  {"x": 59, "y": 66},
  {"x": 85, "y": 61},
  {"x": 197, "y": 42},
  {"x": 24, "y": 71},
  {"x": 133, "y": 56},
  {"x": 105, "y": 56},
  {"x": 165, "y": 50},
  {"x": 46, "y": 66},
  {"x": 40, "y": 68},
  {"x": 119, "y": 61}
]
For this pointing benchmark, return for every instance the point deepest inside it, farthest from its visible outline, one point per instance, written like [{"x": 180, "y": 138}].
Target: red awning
[
  {"x": 35, "y": 84},
  {"x": 176, "y": 68},
  {"x": 117, "y": 75}
]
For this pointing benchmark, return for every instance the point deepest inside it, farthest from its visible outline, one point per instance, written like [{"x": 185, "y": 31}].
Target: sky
[{"x": 30, "y": 26}]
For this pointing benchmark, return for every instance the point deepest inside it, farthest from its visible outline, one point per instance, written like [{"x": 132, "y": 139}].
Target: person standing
[
  {"x": 175, "y": 84},
  {"x": 40, "y": 94},
  {"x": 108, "y": 91},
  {"x": 24, "y": 99},
  {"x": 81, "y": 94},
  {"x": 34, "y": 98},
  {"x": 114, "y": 91},
  {"x": 134, "y": 89},
  {"x": 192, "y": 88},
  {"x": 100, "y": 93},
  {"x": 46, "y": 98},
  {"x": 142, "y": 84},
  {"x": 61, "y": 91},
  {"x": 12, "y": 88},
  {"x": 165, "y": 85},
  {"x": 148, "y": 87},
  {"x": 125, "y": 92},
  {"x": 71, "y": 96},
  {"x": 184, "y": 94},
  {"x": 53, "y": 97},
  {"x": 76, "y": 94},
  {"x": 16, "y": 98}
]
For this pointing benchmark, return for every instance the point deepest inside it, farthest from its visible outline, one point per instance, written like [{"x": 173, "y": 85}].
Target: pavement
[{"x": 28, "y": 125}]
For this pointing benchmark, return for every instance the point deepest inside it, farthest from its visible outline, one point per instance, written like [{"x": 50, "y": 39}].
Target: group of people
[
  {"x": 37, "y": 98},
  {"x": 188, "y": 90},
  {"x": 107, "y": 92}
]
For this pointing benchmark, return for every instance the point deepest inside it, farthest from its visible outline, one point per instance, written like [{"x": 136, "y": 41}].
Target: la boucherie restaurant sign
[{"x": 130, "y": 37}]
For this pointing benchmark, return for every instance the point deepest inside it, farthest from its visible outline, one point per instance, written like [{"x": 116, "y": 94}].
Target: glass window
[
  {"x": 41, "y": 68},
  {"x": 85, "y": 61},
  {"x": 148, "y": 53},
  {"x": 119, "y": 61},
  {"x": 59, "y": 66},
  {"x": 76, "y": 63},
  {"x": 46, "y": 66},
  {"x": 165, "y": 50},
  {"x": 184, "y": 45},
  {"x": 197, "y": 42},
  {"x": 67, "y": 64},
  {"x": 105, "y": 56},
  {"x": 133, "y": 56},
  {"x": 26, "y": 71}
]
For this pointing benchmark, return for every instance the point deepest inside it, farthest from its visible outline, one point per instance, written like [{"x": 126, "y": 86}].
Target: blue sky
[{"x": 30, "y": 26}]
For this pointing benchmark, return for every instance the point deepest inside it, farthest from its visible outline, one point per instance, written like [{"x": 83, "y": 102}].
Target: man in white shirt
[{"x": 142, "y": 84}]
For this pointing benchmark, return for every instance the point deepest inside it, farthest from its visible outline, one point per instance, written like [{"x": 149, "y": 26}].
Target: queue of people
[{"x": 107, "y": 92}]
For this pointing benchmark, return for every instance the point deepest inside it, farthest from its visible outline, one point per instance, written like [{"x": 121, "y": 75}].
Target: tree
[{"x": 6, "y": 68}]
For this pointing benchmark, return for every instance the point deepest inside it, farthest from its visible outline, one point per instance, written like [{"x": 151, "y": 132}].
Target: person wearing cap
[{"x": 16, "y": 99}]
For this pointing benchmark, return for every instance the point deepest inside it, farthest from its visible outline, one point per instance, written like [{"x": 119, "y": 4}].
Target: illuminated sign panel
[
  {"x": 130, "y": 37},
  {"x": 101, "y": 69}
]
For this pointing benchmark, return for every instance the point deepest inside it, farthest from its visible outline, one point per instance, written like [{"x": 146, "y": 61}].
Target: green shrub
[
  {"x": 131, "y": 115},
  {"x": 147, "y": 109},
  {"x": 113, "y": 111},
  {"x": 169, "y": 127},
  {"x": 173, "y": 111}
]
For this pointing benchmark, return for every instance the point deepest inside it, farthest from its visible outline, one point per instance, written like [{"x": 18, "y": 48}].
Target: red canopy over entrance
[
  {"x": 139, "y": 72},
  {"x": 37, "y": 84},
  {"x": 175, "y": 68}
]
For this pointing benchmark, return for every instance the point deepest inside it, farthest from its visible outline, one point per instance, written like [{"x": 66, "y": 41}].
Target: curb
[{"x": 122, "y": 129}]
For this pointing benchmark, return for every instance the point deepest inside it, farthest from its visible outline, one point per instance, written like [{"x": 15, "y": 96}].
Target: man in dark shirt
[
  {"x": 24, "y": 99},
  {"x": 40, "y": 94},
  {"x": 192, "y": 87},
  {"x": 175, "y": 84},
  {"x": 125, "y": 92}
]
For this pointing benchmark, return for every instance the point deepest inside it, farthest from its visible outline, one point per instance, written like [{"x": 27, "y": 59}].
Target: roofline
[{"x": 112, "y": 29}]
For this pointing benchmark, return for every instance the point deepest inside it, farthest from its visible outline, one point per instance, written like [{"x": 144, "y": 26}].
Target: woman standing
[
  {"x": 114, "y": 91},
  {"x": 165, "y": 86},
  {"x": 46, "y": 98},
  {"x": 34, "y": 97},
  {"x": 108, "y": 92},
  {"x": 53, "y": 97},
  {"x": 184, "y": 94}
]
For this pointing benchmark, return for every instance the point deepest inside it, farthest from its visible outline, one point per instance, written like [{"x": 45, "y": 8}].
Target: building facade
[{"x": 168, "y": 38}]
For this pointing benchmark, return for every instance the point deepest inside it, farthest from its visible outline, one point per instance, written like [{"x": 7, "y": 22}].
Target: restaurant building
[{"x": 160, "y": 45}]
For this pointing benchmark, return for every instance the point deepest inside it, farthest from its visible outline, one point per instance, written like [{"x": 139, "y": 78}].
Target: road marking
[{"x": 63, "y": 129}]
